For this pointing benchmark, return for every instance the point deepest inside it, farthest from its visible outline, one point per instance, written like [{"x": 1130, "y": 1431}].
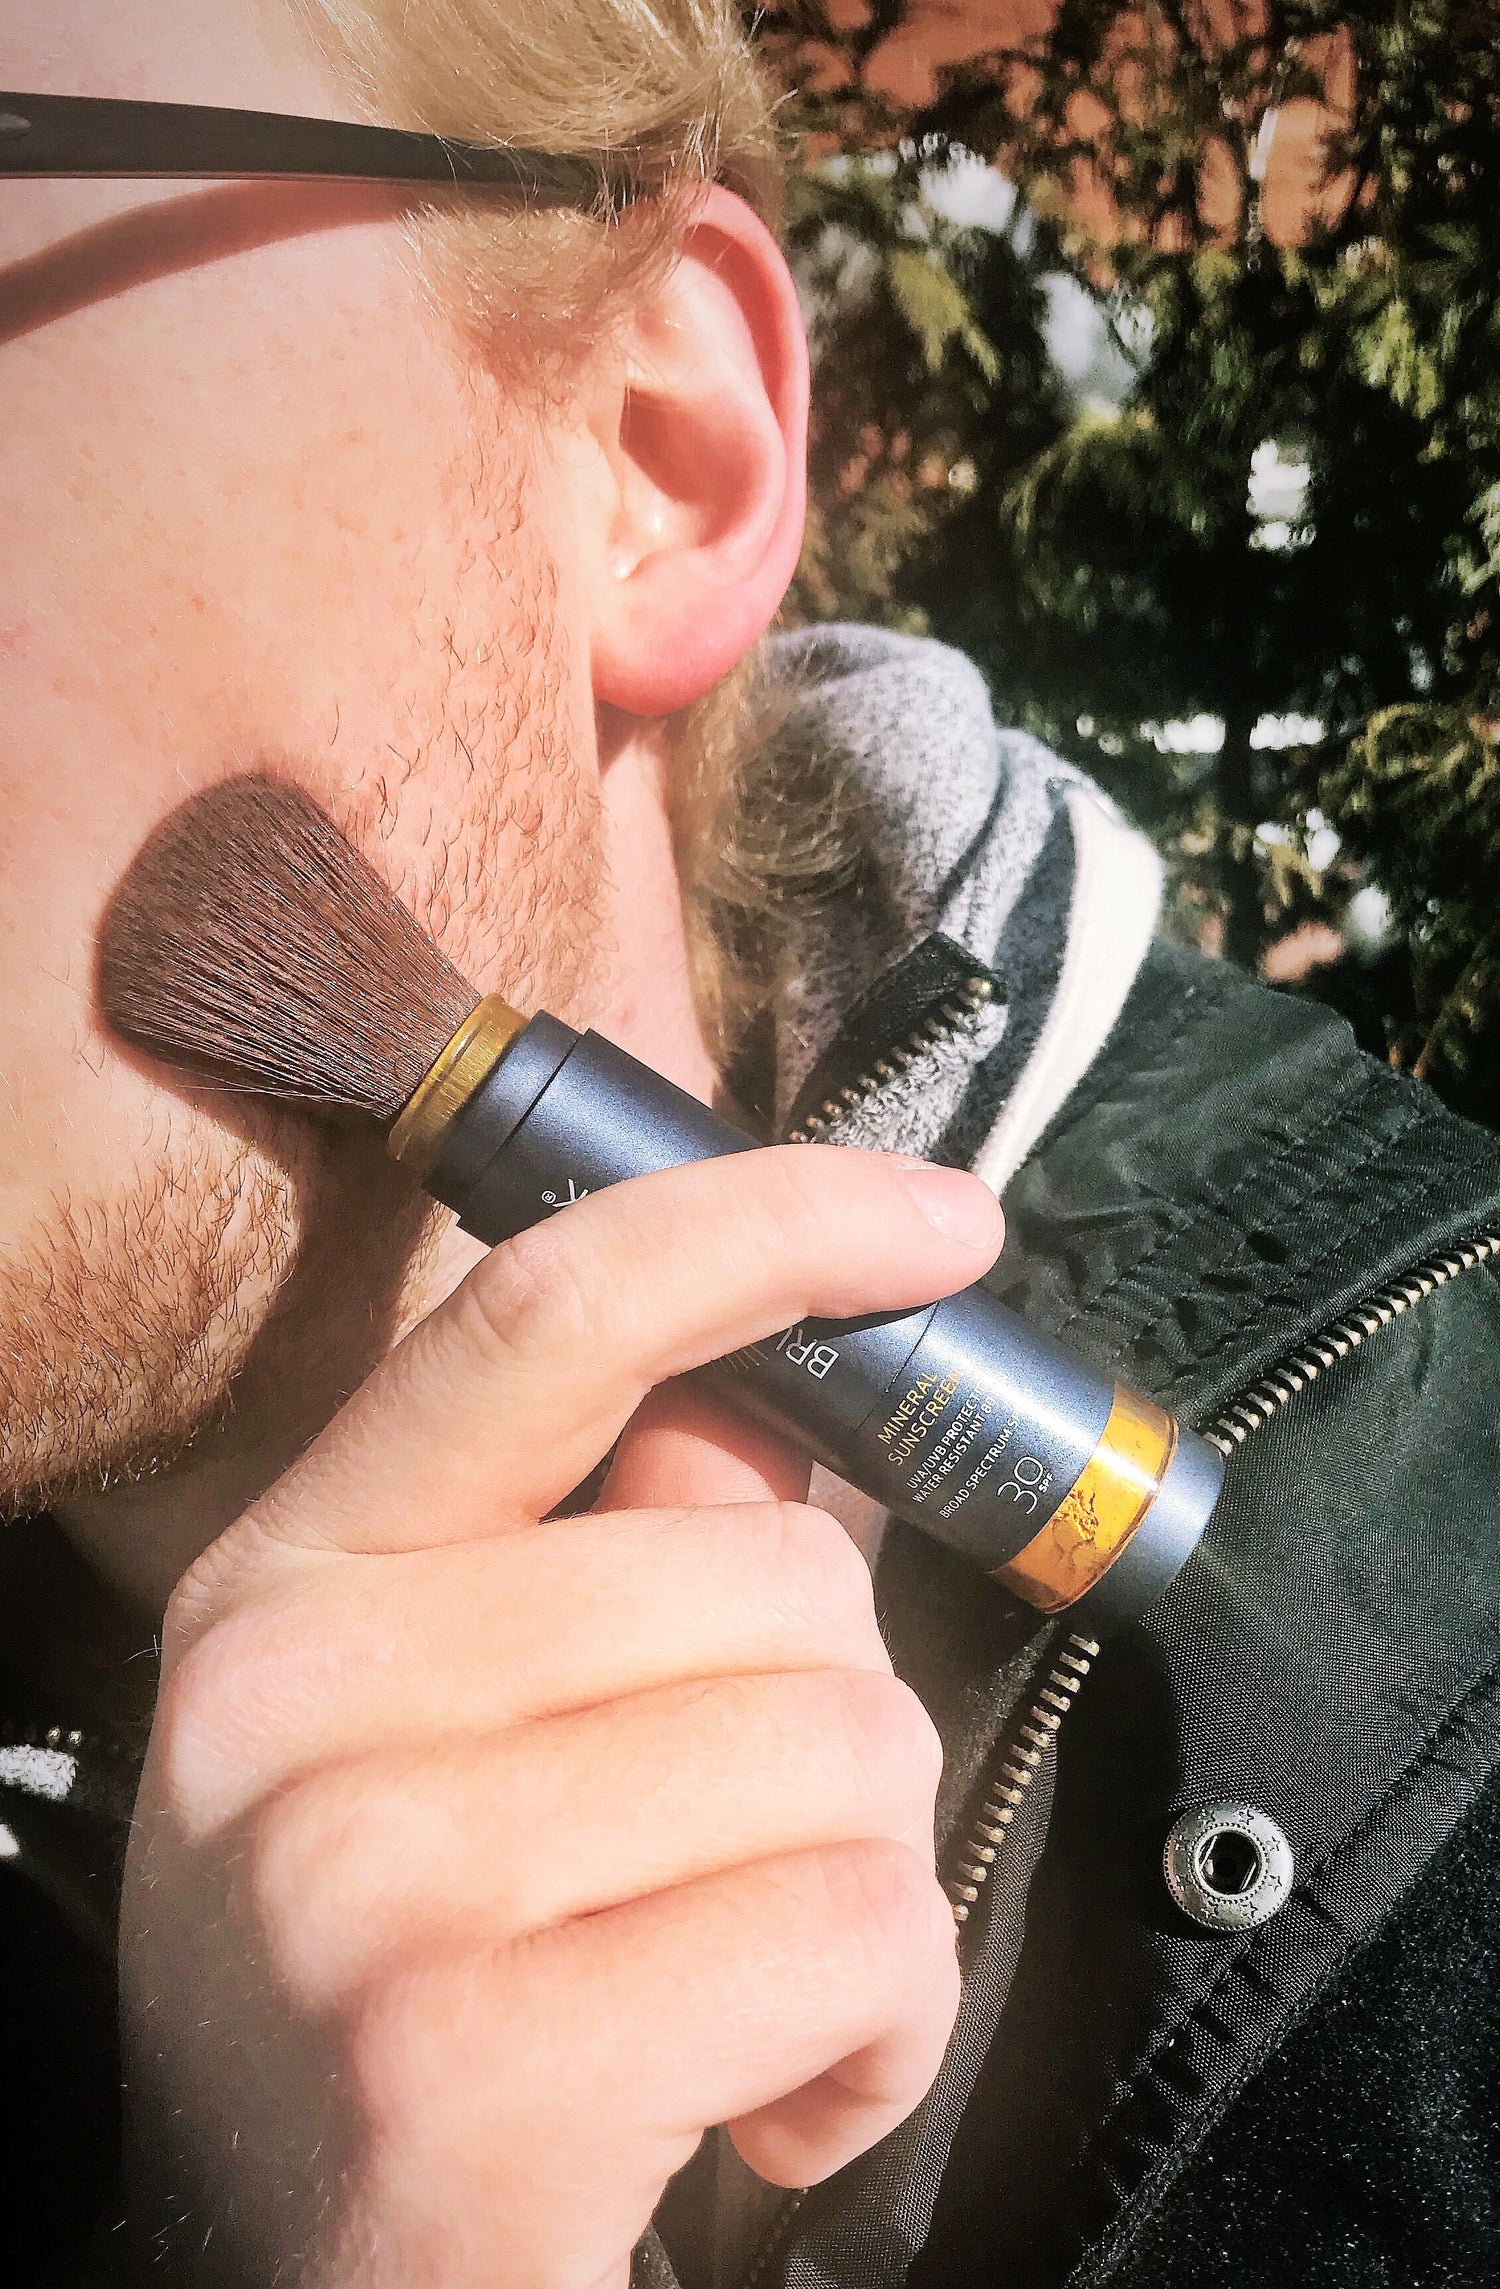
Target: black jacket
[{"x": 1281, "y": 1239}]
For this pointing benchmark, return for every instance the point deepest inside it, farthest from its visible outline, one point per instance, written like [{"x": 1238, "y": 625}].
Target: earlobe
[{"x": 708, "y": 465}]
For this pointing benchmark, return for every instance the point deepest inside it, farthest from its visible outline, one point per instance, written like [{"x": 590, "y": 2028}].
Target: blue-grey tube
[{"x": 959, "y": 1417}]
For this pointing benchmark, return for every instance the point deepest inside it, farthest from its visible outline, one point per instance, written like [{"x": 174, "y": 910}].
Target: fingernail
[{"x": 957, "y": 1205}]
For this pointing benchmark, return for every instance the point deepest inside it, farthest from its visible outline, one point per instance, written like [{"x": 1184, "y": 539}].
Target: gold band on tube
[
  {"x": 1092, "y": 1525},
  {"x": 450, "y": 1081}
]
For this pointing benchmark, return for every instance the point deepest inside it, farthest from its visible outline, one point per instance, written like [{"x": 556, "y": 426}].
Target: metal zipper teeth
[
  {"x": 940, "y": 1025},
  {"x": 1036, "y": 1736},
  {"x": 1015, "y": 1773},
  {"x": 1264, "y": 1400},
  {"x": 1249, "y": 1413},
  {"x": 1022, "y": 1760}
]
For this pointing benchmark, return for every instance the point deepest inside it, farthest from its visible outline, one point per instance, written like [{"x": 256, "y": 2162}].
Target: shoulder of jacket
[{"x": 1232, "y": 1175}]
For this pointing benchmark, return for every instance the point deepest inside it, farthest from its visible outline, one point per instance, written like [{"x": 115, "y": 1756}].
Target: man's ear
[{"x": 701, "y": 421}]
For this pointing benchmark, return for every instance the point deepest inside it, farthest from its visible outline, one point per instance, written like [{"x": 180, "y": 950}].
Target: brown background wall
[{"x": 945, "y": 31}]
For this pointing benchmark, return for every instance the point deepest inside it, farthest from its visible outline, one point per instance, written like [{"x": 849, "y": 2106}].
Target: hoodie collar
[{"x": 1016, "y": 906}]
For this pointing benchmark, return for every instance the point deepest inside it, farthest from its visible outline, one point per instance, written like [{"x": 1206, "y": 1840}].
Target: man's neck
[{"x": 649, "y": 1007}]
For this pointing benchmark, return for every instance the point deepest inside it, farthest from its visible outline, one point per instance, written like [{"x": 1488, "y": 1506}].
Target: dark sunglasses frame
[{"x": 81, "y": 136}]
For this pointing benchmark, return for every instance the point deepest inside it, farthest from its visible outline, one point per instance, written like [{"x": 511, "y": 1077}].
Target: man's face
[{"x": 257, "y": 509}]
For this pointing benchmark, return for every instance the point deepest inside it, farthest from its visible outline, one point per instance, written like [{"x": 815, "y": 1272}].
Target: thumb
[{"x": 496, "y": 1407}]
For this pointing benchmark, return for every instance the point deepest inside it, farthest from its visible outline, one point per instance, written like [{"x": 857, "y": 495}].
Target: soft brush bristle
[{"x": 251, "y": 940}]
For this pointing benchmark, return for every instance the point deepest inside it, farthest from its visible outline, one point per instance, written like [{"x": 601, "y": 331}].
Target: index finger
[{"x": 493, "y": 1409}]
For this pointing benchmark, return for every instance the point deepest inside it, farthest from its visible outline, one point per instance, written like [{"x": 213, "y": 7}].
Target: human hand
[{"x": 482, "y": 1861}]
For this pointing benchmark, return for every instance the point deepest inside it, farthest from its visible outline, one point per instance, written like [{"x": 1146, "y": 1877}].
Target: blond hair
[{"x": 665, "y": 93}]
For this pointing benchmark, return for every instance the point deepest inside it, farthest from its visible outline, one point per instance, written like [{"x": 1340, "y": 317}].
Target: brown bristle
[{"x": 251, "y": 940}]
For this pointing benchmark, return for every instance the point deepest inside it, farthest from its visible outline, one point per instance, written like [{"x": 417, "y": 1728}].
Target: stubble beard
[{"x": 249, "y": 1270}]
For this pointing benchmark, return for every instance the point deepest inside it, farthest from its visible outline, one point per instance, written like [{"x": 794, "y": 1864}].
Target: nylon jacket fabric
[
  {"x": 1331, "y": 1657},
  {"x": 1232, "y": 1177}
]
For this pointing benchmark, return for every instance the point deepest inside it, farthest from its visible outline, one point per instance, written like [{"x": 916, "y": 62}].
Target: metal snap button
[{"x": 1228, "y": 1866}]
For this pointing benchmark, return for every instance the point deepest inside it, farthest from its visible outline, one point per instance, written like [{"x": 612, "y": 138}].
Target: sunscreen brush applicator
[{"x": 251, "y": 941}]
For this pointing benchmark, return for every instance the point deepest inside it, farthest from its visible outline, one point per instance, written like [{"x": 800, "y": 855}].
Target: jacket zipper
[
  {"x": 1017, "y": 1761},
  {"x": 1015, "y": 1764},
  {"x": 953, "y": 1014},
  {"x": 943, "y": 1023},
  {"x": 1256, "y": 1406},
  {"x": 1013, "y": 1770}
]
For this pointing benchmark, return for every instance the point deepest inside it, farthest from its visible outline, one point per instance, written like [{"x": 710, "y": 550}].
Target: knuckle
[
  {"x": 891, "y": 1738},
  {"x": 779, "y": 1201},
  {"x": 189, "y": 1610},
  {"x": 810, "y": 1554},
  {"x": 203, "y": 1717},
  {"x": 415, "y": 2035},
  {"x": 814, "y": 1205},
  {"x": 235, "y": 1572},
  {"x": 288, "y": 1844},
  {"x": 897, "y": 1907},
  {"x": 805, "y": 1176},
  {"x": 535, "y": 1294},
  {"x": 389, "y": 2053},
  {"x": 302, "y": 1850}
]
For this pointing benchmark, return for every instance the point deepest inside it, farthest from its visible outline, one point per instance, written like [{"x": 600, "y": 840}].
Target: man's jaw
[{"x": 168, "y": 1351}]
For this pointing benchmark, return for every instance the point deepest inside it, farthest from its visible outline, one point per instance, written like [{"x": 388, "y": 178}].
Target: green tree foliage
[
  {"x": 934, "y": 380},
  {"x": 1120, "y": 564}
]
